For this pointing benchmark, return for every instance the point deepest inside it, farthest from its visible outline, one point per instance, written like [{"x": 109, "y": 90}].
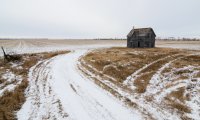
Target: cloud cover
[{"x": 98, "y": 18}]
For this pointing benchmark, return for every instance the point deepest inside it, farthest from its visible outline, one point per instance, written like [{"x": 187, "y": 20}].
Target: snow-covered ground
[
  {"x": 10, "y": 80},
  {"x": 34, "y": 46},
  {"x": 191, "y": 45},
  {"x": 58, "y": 90}
]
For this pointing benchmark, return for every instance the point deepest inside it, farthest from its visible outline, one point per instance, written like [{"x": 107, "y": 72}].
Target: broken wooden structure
[
  {"x": 4, "y": 54},
  {"x": 8, "y": 57}
]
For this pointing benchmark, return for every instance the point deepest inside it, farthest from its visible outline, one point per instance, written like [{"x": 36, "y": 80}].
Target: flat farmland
[
  {"x": 32, "y": 46},
  {"x": 99, "y": 79}
]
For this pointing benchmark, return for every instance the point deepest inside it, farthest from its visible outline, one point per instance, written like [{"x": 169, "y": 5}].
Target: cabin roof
[{"x": 141, "y": 32}]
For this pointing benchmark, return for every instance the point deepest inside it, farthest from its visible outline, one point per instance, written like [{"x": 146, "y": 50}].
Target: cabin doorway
[{"x": 139, "y": 44}]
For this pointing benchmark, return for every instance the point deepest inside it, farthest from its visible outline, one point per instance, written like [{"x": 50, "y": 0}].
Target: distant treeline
[
  {"x": 110, "y": 39},
  {"x": 178, "y": 39},
  {"x": 158, "y": 38}
]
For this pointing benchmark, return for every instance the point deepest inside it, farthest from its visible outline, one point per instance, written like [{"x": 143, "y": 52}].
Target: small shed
[{"x": 141, "y": 38}]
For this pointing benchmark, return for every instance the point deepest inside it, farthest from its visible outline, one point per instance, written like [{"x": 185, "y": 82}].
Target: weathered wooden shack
[{"x": 141, "y": 38}]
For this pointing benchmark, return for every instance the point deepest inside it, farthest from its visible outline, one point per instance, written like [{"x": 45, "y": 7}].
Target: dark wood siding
[{"x": 140, "y": 38}]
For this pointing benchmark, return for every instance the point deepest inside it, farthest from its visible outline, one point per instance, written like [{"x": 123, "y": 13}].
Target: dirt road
[{"x": 57, "y": 90}]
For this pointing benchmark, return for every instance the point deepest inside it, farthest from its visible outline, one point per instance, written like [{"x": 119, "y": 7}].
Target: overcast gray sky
[{"x": 98, "y": 18}]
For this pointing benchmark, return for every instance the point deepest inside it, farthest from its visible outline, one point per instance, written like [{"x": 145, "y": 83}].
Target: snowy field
[
  {"x": 34, "y": 46},
  {"x": 59, "y": 90}
]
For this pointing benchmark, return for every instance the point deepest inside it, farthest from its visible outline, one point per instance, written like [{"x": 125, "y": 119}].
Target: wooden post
[{"x": 4, "y": 53}]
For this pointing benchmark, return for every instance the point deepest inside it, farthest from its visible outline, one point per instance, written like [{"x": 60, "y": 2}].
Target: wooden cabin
[{"x": 141, "y": 38}]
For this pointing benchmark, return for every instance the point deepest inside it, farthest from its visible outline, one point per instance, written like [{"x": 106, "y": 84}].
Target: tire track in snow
[
  {"x": 41, "y": 103},
  {"x": 58, "y": 79},
  {"x": 130, "y": 79},
  {"x": 150, "y": 108}
]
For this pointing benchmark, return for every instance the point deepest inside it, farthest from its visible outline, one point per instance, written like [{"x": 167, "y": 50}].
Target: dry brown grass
[
  {"x": 142, "y": 82},
  {"x": 197, "y": 75},
  {"x": 47, "y": 55},
  {"x": 1, "y": 80},
  {"x": 176, "y": 99},
  {"x": 121, "y": 62},
  {"x": 185, "y": 61},
  {"x": 180, "y": 107},
  {"x": 179, "y": 94},
  {"x": 12, "y": 101},
  {"x": 30, "y": 62},
  {"x": 192, "y": 60},
  {"x": 182, "y": 72}
]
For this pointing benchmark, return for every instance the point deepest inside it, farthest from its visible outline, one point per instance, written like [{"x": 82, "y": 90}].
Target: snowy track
[{"x": 57, "y": 90}]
